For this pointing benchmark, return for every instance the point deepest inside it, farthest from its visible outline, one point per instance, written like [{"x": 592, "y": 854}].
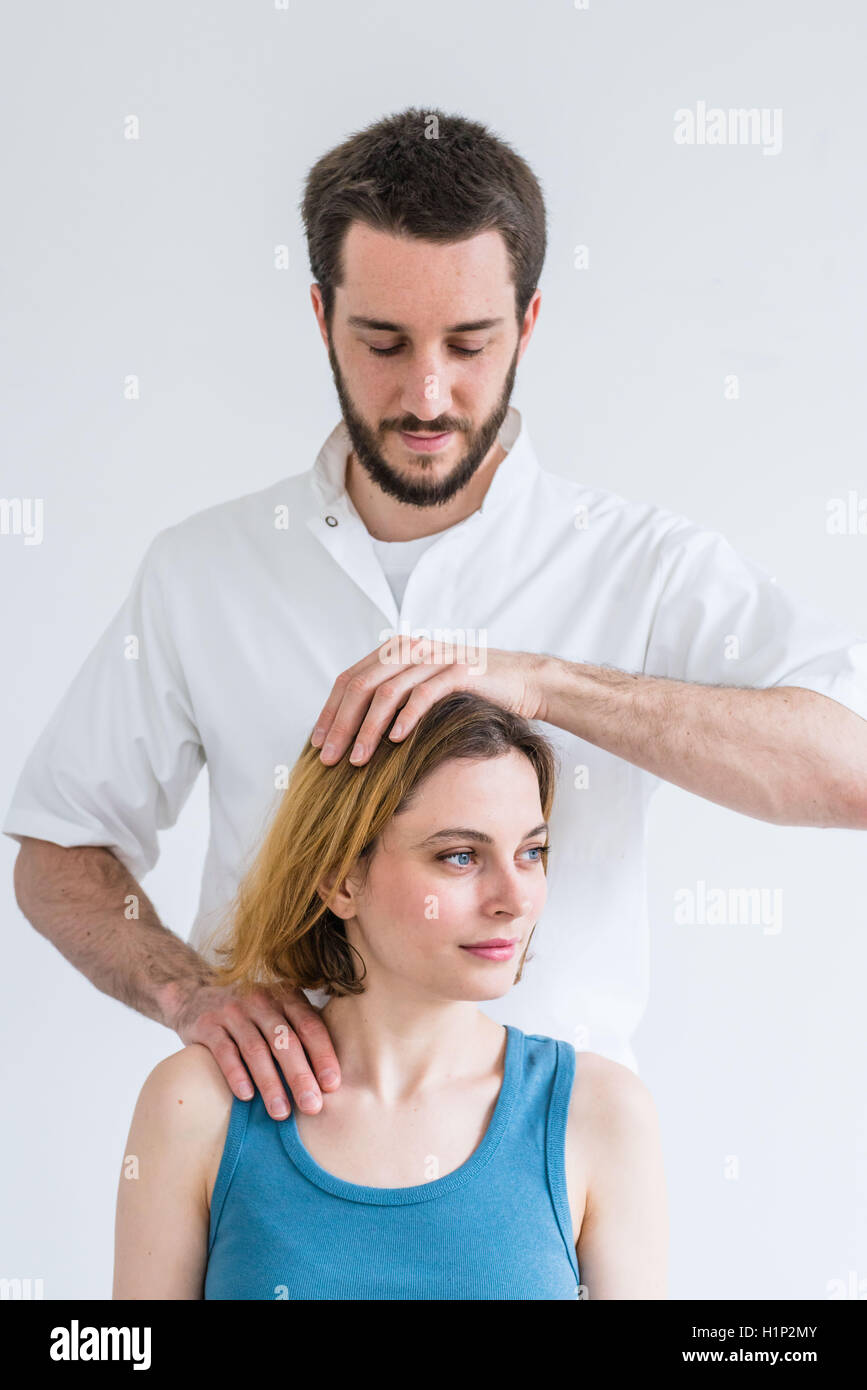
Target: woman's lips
[
  {"x": 492, "y": 952},
  {"x": 426, "y": 444}
]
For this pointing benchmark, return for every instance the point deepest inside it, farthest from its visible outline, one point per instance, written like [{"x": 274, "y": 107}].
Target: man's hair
[
  {"x": 328, "y": 824},
  {"x": 429, "y": 175}
]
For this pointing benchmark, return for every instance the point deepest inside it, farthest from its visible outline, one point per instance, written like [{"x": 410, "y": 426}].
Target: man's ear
[
  {"x": 319, "y": 311},
  {"x": 343, "y": 904}
]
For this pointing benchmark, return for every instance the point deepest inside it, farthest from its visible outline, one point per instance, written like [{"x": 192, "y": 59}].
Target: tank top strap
[
  {"x": 535, "y": 1141},
  {"x": 558, "y": 1114}
]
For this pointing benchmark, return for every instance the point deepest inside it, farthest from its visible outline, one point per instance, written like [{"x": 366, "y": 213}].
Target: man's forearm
[
  {"x": 786, "y": 755},
  {"x": 84, "y": 901}
]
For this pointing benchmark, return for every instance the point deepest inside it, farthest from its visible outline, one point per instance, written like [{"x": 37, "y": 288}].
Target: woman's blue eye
[
  {"x": 457, "y": 854},
  {"x": 540, "y": 850}
]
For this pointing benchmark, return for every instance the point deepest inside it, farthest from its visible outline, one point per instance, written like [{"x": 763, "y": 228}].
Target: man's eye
[{"x": 389, "y": 352}]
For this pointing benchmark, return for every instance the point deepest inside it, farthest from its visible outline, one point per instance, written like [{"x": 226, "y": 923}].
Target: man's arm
[
  {"x": 782, "y": 754},
  {"x": 785, "y": 754},
  {"x": 78, "y": 898}
]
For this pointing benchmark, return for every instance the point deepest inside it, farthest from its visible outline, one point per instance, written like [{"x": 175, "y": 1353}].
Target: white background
[{"x": 156, "y": 257}]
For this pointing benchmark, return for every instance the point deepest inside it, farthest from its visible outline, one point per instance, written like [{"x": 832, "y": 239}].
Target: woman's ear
[{"x": 343, "y": 904}]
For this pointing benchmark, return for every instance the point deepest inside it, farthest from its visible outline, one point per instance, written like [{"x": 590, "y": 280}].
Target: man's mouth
[{"x": 426, "y": 443}]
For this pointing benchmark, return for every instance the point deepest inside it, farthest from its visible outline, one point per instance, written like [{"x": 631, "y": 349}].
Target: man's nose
[{"x": 426, "y": 392}]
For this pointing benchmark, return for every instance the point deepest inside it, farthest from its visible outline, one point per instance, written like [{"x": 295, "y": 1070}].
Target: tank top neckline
[{"x": 437, "y": 1187}]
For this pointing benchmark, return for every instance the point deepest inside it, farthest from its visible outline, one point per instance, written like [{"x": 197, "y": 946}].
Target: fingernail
[
  {"x": 316, "y": 737},
  {"x": 357, "y": 752},
  {"x": 329, "y": 750},
  {"x": 246, "y": 1090},
  {"x": 309, "y": 1101},
  {"x": 328, "y": 1077},
  {"x": 280, "y": 1109},
  {"x": 397, "y": 731}
]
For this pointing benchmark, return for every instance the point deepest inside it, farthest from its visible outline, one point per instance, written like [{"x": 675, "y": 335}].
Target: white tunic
[{"x": 244, "y": 614}]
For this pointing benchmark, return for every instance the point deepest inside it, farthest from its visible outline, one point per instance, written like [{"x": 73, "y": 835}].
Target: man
[{"x": 648, "y": 647}]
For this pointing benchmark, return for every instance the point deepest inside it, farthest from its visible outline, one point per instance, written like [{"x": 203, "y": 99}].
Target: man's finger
[
  {"x": 256, "y": 1052},
  {"x": 424, "y": 695},
  {"x": 393, "y": 697},
  {"x": 351, "y": 693},
  {"x": 228, "y": 1059},
  {"x": 315, "y": 1038},
  {"x": 326, "y": 716},
  {"x": 356, "y": 697}
]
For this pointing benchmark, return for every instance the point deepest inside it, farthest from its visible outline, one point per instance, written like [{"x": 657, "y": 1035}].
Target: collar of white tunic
[{"x": 516, "y": 472}]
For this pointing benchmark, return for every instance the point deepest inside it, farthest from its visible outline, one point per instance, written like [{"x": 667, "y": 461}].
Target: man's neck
[{"x": 389, "y": 520}]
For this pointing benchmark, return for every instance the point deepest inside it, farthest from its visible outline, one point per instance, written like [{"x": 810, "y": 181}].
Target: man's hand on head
[
  {"x": 263, "y": 1028},
  {"x": 407, "y": 676}
]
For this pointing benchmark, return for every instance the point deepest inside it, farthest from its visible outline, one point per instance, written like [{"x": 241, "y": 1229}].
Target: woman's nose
[{"x": 510, "y": 895}]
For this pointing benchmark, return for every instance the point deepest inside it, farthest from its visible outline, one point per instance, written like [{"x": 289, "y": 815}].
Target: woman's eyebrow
[{"x": 462, "y": 832}]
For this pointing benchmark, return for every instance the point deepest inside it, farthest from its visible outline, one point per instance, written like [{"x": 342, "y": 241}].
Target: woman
[{"x": 458, "y": 1159}]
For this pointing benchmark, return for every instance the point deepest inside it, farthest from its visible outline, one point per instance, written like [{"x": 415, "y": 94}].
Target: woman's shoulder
[
  {"x": 609, "y": 1102},
  {"x": 598, "y": 1081},
  {"x": 185, "y": 1105},
  {"x": 194, "y": 1065},
  {"x": 188, "y": 1085}
]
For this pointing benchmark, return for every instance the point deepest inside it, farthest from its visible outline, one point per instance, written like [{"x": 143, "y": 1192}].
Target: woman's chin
[{"x": 478, "y": 993}]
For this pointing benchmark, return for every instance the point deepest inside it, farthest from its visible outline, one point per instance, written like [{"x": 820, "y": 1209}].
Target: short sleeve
[
  {"x": 719, "y": 618},
  {"x": 121, "y": 752}
]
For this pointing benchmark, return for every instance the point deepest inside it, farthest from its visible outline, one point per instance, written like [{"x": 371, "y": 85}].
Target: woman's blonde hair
[{"x": 280, "y": 930}]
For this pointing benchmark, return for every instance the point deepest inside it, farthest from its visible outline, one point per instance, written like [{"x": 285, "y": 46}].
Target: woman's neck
[{"x": 397, "y": 1049}]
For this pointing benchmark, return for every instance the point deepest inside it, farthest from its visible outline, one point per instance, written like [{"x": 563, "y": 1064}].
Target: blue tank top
[{"x": 497, "y": 1227}]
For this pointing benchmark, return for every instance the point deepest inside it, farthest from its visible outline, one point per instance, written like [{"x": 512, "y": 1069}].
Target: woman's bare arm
[
  {"x": 622, "y": 1247},
  {"x": 169, "y": 1167}
]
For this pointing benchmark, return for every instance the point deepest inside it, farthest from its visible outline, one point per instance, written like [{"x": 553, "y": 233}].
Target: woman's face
[{"x": 461, "y": 866}]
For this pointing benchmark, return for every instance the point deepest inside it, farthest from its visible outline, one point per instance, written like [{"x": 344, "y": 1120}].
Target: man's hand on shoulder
[{"x": 249, "y": 1033}]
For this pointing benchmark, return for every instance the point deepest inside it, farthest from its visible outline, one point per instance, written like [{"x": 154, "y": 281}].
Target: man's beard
[{"x": 422, "y": 491}]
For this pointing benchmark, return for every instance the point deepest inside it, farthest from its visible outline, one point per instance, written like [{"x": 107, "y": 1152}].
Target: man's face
[{"x": 404, "y": 359}]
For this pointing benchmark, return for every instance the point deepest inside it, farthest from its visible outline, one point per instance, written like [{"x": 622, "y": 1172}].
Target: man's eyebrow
[
  {"x": 386, "y": 326},
  {"x": 462, "y": 832}
]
